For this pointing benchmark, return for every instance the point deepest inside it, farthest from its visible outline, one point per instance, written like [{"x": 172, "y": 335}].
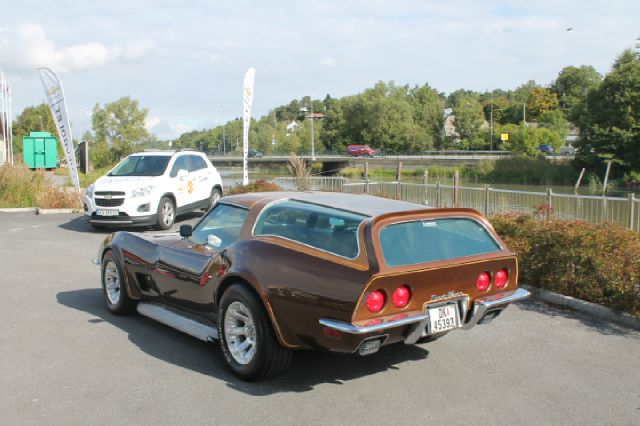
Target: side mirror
[{"x": 186, "y": 231}]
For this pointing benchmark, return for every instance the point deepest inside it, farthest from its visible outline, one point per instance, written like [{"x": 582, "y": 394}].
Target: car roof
[
  {"x": 166, "y": 152},
  {"x": 363, "y": 204}
]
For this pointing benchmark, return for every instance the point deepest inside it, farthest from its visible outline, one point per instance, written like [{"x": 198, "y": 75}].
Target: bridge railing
[
  {"x": 451, "y": 154},
  {"x": 489, "y": 201}
]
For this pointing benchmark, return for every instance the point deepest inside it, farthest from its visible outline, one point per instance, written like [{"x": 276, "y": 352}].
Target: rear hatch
[{"x": 436, "y": 256}]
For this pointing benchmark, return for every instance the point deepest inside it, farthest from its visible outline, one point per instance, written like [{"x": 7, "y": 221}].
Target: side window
[
  {"x": 331, "y": 230},
  {"x": 197, "y": 163},
  {"x": 220, "y": 227},
  {"x": 180, "y": 163}
]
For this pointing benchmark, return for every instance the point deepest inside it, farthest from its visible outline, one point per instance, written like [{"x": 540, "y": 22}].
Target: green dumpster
[{"x": 40, "y": 150}]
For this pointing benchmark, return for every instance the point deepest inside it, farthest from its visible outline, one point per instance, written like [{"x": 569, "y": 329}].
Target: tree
[
  {"x": 555, "y": 121},
  {"x": 32, "y": 119},
  {"x": 572, "y": 85},
  {"x": 526, "y": 140},
  {"x": 121, "y": 125},
  {"x": 334, "y": 125},
  {"x": 496, "y": 105},
  {"x": 611, "y": 123},
  {"x": 427, "y": 105},
  {"x": 469, "y": 117},
  {"x": 540, "y": 100}
]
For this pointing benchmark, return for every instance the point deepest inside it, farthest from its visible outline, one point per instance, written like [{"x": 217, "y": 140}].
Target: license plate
[
  {"x": 443, "y": 318},
  {"x": 105, "y": 212}
]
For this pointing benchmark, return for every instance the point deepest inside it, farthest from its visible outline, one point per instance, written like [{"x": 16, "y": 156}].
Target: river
[{"x": 233, "y": 176}]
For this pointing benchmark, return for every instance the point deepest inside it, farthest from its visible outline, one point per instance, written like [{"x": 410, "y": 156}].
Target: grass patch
[{"x": 23, "y": 187}]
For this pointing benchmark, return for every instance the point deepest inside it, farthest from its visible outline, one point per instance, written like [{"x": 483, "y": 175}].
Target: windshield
[
  {"x": 142, "y": 165},
  {"x": 409, "y": 243},
  {"x": 220, "y": 227}
]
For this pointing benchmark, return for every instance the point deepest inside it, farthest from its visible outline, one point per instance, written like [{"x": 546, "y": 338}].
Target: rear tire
[
  {"x": 247, "y": 339},
  {"x": 216, "y": 194},
  {"x": 166, "y": 214},
  {"x": 114, "y": 288}
]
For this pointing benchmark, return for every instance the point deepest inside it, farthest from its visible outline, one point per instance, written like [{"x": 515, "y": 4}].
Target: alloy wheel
[
  {"x": 240, "y": 333},
  {"x": 112, "y": 282}
]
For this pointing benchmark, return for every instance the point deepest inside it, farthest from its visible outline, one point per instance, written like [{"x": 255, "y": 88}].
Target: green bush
[
  {"x": 101, "y": 155},
  {"x": 531, "y": 171},
  {"x": 259, "y": 185},
  {"x": 597, "y": 263}
]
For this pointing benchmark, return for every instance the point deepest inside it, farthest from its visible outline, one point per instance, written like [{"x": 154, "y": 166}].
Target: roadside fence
[{"x": 489, "y": 201}]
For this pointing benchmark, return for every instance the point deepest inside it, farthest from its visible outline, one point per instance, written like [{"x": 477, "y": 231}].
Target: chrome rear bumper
[
  {"x": 481, "y": 307},
  {"x": 411, "y": 318},
  {"x": 485, "y": 305}
]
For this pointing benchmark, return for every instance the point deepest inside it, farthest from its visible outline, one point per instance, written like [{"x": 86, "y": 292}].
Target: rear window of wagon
[
  {"x": 409, "y": 243},
  {"x": 325, "y": 228}
]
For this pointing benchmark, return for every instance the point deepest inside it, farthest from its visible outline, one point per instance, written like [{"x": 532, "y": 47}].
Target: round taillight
[
  {"x": 375, "y": 301},
  {"x": 483, "y": 281},
  {"x": 401, "y": 296},
  {"x": 501, "y": 278}
]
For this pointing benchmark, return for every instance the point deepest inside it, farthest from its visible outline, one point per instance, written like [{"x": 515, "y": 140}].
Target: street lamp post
[
  {"x": 313, "y": 134},
  {"x": 491, "y": 125}
]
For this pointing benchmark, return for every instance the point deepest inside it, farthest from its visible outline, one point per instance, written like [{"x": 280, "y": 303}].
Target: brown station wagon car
[{"x": 267, "y": 273}]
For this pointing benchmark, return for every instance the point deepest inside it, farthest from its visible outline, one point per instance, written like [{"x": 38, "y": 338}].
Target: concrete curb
[
  {"x": 57, "y": 211},
  {"x": 587, "y": 308},
  {"x": 20, "y": 210},
  {"x": 38, "y": 210}
]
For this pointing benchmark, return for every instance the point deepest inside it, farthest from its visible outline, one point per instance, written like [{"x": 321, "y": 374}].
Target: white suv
[{"x": 151, "y": 188}]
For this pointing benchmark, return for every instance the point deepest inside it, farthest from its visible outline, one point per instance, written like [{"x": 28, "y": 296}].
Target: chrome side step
[{"x": 181, "y": 322}]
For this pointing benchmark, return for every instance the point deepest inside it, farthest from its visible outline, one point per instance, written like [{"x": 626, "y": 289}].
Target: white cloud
[
  {"x": 164, "y": 129},
  {"x": 26, "y": 46}
]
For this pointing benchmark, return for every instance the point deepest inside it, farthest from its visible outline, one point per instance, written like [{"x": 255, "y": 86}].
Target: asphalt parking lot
[{"x": 65, "y": 360}]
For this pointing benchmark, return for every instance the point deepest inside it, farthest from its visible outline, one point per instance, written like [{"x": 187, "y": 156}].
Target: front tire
[
  {"x": 166, "y": 214},
  {"x": 114, "y": 288},
  {"x": 247, "y": 339}
]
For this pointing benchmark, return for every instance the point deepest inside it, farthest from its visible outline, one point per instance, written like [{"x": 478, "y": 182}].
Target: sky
[{"x": 185, "y": 61}]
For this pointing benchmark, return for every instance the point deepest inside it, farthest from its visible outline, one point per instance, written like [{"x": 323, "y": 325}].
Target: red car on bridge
[{"x": 361, "y": 151}]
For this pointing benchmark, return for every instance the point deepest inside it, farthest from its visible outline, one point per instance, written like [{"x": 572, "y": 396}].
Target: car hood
[
  {"x": 161, "y": 238},
  {"x": 122, "y": 183},
  {"x": 174, "y": 240}
]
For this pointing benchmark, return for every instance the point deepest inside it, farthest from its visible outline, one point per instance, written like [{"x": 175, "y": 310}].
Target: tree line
[{"x": 412, "y": 118}]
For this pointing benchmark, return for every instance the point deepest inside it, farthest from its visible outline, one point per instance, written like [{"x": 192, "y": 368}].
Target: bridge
[{"x": 335, "y": 161}]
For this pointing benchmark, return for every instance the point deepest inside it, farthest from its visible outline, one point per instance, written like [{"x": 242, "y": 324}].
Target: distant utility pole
[{"x": 313, "y": 134}]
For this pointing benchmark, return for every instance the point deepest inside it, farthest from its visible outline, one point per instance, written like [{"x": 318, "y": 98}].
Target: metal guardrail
[{"x": 589, "y": 208}]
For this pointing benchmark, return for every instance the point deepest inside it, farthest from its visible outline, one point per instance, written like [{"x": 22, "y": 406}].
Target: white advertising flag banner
[
  {"x": 55, "y": 97},
  {"x": 249, "y": 79}
]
